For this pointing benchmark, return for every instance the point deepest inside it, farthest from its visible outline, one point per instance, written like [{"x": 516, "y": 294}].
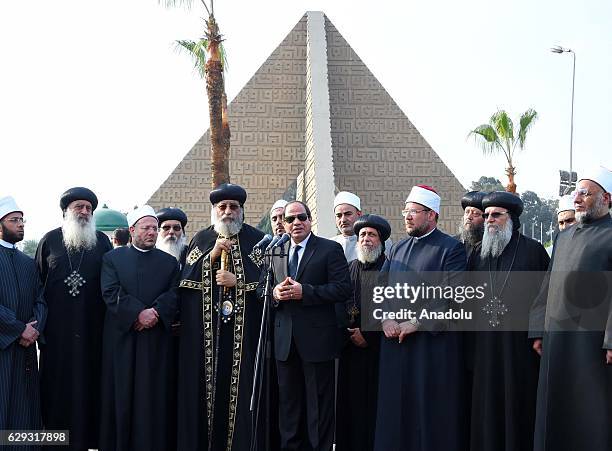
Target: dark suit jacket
[{"x": 311, "y": 321}]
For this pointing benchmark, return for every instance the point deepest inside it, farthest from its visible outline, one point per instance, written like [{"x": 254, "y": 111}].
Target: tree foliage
[{"x": 29, "y": 247}]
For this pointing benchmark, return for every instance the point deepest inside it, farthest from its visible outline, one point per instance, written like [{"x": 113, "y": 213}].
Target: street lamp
[{"x": 559, "y": 49}]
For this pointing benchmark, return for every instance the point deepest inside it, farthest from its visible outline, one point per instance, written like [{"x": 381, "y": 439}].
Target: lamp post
[{"x": 559, "y": 49}]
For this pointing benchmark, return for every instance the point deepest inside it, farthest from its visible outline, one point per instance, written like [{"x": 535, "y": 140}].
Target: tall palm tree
[
  {"x": 499, "y": 135},
  {"x": 209, "y": 60}
]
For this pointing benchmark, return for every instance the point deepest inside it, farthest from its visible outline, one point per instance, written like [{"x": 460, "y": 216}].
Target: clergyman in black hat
[
  {"x": 218, "y": 299},
  {"x": 358, "y": 366},
  {"x": 472, "y": 223},
  {"x": 69, "y": 260},
  {"x": 172, "y": 238},
  {"x": 510, "y": 267}
]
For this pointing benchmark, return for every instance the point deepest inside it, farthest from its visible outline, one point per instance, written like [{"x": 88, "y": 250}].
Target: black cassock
[
  {"x": 574, "y": 310},
  {"x": 21, "y": 302},
  {"x": 505, "y": 366},
  {"x": 421, "y": 395},
  {"x": 358, "y": 372},
  {"x": 70, "y": 359},
  {"x": 138, "y": 373},
  {"x": 227, "y": 415}
]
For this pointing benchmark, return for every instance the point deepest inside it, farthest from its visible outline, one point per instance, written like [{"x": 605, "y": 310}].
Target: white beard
[
  {"x": 494, "y": 242},
  {"x": 228, "y": 229},
  {"x": 365, "y": 255},
  {"x": 78, "y": 233},
  {"x": 171, "y": 246},
  {"x": 584, "y": 217}
]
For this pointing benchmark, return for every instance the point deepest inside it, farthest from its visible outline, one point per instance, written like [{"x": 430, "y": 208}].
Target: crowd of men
[{"x": 162, "y": 345}]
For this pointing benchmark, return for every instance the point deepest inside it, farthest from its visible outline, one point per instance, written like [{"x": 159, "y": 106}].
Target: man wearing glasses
[
  {"x": 171, "y": 238},
  {"x": 421, "y": 366},
  {"x": 22, "y": 316},
  {"x": 308, "y": 284},
  {"x": 138, "y": 366},
  {"x": 220, "y": 319},
  {"x": 574, "y": 311}
]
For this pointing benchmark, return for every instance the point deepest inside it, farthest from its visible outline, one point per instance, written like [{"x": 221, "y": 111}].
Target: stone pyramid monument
[{"x": 313, "y": 121}]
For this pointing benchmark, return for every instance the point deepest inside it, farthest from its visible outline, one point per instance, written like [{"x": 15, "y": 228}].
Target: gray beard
[
  {"x": 584, "y": 217},
  {"x": 471, "y": 236},
  {"x": 365, "y": 255},
  {"x": 78, "y": 234},
  {"x": 171, "y": 246},
  {"x": 494, "y": 242},
  {"x": 228, "y": 229}
]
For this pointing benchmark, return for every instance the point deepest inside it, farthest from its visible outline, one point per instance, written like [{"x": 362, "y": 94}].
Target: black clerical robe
[
  {"x": 574, "y": 311},
  {"x": 421, "y": 399},
  {"x": 218, "y": 401},
  {"x": 138, "y": 366},
  {"x": 21, "y": 302},
  {"x": 358, "y": 371},
  {"x": 70, "y": 359},
  {"x": 505, "y": 366}
]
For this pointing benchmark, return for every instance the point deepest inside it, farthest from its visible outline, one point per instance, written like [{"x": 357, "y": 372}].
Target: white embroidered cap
[
  {"x": 600, "y": 175},
  {"x": 566, "y": 203},
  {"x": 8, "y": 205}
]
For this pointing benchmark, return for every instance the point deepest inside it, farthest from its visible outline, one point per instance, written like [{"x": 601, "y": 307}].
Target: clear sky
[{"x": 93, "y": 92}]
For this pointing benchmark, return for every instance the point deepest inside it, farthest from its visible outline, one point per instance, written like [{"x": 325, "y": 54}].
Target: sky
[{"x": 94, "y": 93}]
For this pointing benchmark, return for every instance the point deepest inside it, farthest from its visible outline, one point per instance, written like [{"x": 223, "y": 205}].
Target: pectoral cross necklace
[
  {"x": 495, "y": 308},
  {"x": 74, "y": 280}
]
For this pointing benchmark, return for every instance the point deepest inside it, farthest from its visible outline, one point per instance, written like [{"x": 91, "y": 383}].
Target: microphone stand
[{"x": 260, "y": 371}]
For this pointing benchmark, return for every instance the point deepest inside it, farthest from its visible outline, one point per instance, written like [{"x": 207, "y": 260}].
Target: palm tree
[
  {"x": 499, "y": 135},
  {"x": 209, "y": 60}
]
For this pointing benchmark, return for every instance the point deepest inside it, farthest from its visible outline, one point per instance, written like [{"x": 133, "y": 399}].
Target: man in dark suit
[{"x": 306, "y": 337}]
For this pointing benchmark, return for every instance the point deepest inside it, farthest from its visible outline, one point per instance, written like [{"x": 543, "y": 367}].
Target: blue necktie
[{"x": 293, "y": 263}]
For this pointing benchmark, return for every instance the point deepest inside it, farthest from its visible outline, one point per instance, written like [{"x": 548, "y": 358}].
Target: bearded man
[
  {"x": 358, "y": 367},
  {"x": 171, "y": 238},
  {"x": 511, "y": 267},
  {"x": 22, "y": 315},
  {"x": 472, "y": 224},
  {"x": 220, "y": 321},
  {"x": 572, "y": 322},
  {"x": 421, "y": 366},
  {"x": 276, "y": 217},
  {"x": 69, "y": 260}
]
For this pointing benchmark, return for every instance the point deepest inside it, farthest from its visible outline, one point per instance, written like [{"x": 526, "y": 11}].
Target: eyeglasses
[
  {"x": 16, "y": 220},
  {"x": 413, "y": 212},
  {"x": 495, "y": 214},
  {"x": 176, "y": 228},
  {"x": 232, "y": 207},
  {"x": 302, "y": 217},
  {"x": 582, "y": 192}
]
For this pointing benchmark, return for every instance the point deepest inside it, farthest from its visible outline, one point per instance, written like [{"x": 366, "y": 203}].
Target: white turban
[
  {"x": 566, "y": 203},
  {"x": 281, "y": 203},
  {"x": 600, "y": 175},
  {"x": 136, "y": 215},
  {"x": 344, "y": 197},
  {"x": 425, "y": 197},
  {"x": 8, "y": 205}
]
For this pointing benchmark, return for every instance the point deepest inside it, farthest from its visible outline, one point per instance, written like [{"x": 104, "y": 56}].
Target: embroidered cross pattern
[
  {"x": 495, "y": 308},
  {"x": 74, "y": 281}
]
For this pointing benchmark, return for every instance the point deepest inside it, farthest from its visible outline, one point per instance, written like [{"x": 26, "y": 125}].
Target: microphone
[
  {"x": 283, "y": 239},
  {"x": 264, "y": 242},
  {"x": 273, "y": 243}
]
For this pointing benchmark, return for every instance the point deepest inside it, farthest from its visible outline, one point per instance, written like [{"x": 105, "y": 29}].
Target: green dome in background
[{"x": 108, "y": 220}]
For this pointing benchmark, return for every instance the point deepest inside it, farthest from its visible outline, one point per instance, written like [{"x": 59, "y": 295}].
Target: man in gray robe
[
  {"x": 22, "y": 315},
  {"x": 573, "y": 315}
]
